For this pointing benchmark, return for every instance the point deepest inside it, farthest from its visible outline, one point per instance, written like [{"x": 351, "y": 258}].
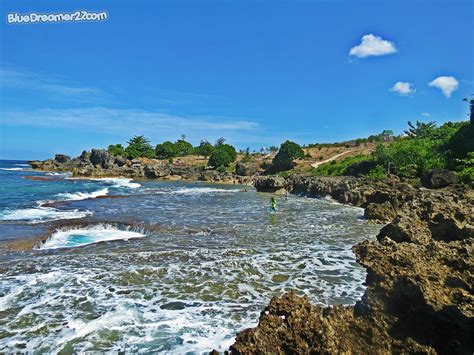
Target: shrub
[
  {"x": 166, "y": 150},
  {"x": 205, "y": 148},
  {"x": 184, "y": 148},
  {"x": 288, "y": 151},
  {"x": 222, "y": 155},
  {"x": 116, "y": 150}
]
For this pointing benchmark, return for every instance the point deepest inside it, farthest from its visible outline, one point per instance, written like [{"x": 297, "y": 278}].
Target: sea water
[{"x": 168, "y": 267}]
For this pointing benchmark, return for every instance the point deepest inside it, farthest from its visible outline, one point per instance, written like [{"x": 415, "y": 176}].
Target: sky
[{"x": 254, "y": 72}]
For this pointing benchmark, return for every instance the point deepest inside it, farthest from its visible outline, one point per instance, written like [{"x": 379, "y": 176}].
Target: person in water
[
  {"x": 273, "y": 204},
  {"x": 287, "y": 195}
]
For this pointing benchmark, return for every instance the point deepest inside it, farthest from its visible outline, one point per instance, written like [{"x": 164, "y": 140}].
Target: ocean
[{"x": 155, "y": 266}]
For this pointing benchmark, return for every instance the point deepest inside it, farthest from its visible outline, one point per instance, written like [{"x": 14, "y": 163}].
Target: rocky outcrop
[
  {"x": 61, "y": 158},
  {"x": 275, "y": 184},
  {"x": 420, "y": 293},
  {"x": 439, "y": 178},
  {"x": 246, "y": 169},
  {"x": 100, "y": 163}
]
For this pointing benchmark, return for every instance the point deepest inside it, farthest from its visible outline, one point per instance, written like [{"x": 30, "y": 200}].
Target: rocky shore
[
  {"x": 100, "y": 163},
  {"x": 420, "y": 293}
]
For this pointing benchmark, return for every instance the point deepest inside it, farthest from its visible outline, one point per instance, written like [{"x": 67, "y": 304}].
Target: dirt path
[{"x": 334, "y": 157}]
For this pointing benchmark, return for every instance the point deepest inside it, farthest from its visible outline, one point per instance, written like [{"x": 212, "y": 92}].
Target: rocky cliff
[
  {"x": 420, "y": 284},
  {"x": 100, "y": 163}
]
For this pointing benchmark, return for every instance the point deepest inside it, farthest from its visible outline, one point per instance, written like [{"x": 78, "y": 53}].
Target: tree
[
  {"x": 288, "y": 151},
  {"x": 184, "y": 148},
  {"x": 222, "y": 155},
  {"x": 273, "y": 149},
  {"x": 138, "y": 147},
  {"x": 205, "y": 148},
  {"x": 220, "y": 141},
  {"x": 420, "y": 129},
  {"x": 166, "y": 150},
  {"x": 116, "y": 150}
]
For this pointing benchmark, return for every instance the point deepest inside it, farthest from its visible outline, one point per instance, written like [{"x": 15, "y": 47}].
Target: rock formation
[{"x": 420, "y": 293}]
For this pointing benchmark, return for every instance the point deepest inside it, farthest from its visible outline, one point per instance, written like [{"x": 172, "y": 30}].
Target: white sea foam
[
  {"x": 13, "y": 169},
  {"x": 83, "y": 236},
  {"x": 66, "y": 173},
  {"x": 77, "y": 196},
  {"x": 116, "y": 182},
  {"x": 22, "y": 165},
  {"x": 194, "y": 191},
  {"x": 41, "y": 214}
]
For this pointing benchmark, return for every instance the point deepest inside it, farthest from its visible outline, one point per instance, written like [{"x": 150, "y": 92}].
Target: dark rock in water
[
  {"x": 35, "y": 164},
  {"x": 439, "y": 178},
  {"x": 174, "y": 306},
  {"x": 102, "y": 158},
  {"x": 155, "y": 171},
  {"x": 245, "y": 169},
  {"x": 382, "y": 212},
  {"x": 273, "y": 183},
  {"x": 61, "y": 158}
]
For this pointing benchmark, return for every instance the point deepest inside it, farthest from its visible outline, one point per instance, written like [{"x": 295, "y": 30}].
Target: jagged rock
[
  {"x": 245, "y": 169},
  {"x": 61, "y": 158},
  {"x": 439, "y": 178},
  {"x": 155, "y": 171},
  {"x": 84, "y": 157},
  {"x": 35, "y": 164},
  {"x": 381, "y": 212},
  {"x": 419, "y": 296},
  {"x": 102, "y": 158},
  {"x": 119, "y": 161},
  {"x": 275, "y": 184}
]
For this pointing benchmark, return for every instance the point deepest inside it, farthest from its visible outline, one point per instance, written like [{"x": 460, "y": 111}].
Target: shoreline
[{"x": 419, "y": 295}]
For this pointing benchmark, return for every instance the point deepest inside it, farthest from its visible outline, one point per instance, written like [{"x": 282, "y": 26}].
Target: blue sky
[{"x": 257, "y": 73}]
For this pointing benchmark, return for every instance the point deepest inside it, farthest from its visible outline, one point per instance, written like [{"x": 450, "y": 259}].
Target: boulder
[
  {"x": 119, "y": 161},
  {"x": 84, "y": 157},
  {"x": 245, "y": 169},
  {"x": 61, "y": 158},
  {"x": 439, "y": 178},
  {"x": 102, "y": 157},
  {"x": 155, "y": 171},
  {"x": 272, "y": 183},
  {"x": 381, "y": 212}
]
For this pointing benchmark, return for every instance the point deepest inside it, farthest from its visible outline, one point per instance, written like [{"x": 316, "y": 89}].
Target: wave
[
  {"x": 22, "y": 165},
  {"x": 14, "y": 169},
  {"x": 77, "y": 196},
  {"x": 41, "y": 214},
  {"x": 89, "y": 235},
  {"x": 114, "y": 182},
  {"x": 196, "y": 191},
  {"x": 67, "y": 173}
]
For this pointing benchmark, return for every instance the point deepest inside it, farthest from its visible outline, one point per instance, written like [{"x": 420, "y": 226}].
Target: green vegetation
[
  {"x": 116, "y": 150},
  {"x": 288, "y": 152},
  {"x": 425, "y": 147},
  {"x": 139, "y": 147},
  {"x": 205, "y": 149},
  {"x": 222, "y": 155},
  {"x": 166, "y": 150}
]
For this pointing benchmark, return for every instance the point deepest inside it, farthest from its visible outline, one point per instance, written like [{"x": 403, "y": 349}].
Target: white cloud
[
  {"x": 447, "y": 84},
  {"x": 372, "y": 45},
  {"x": 154, "y": 124},
  {"x": 403, "y": 88},
  {"x": 426, "y": 114}
]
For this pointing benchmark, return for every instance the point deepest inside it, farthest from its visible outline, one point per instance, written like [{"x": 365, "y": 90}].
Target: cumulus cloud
[
  {"x": 447, "y": 84},
  {"x": 403, "y": 88},
  {"x": 372, "y": 45},
  {"x": 426, "y": 114}
]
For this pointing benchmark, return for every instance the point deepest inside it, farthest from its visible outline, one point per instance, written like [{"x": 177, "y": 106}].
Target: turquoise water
[{"x": 167, "y": 267}]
